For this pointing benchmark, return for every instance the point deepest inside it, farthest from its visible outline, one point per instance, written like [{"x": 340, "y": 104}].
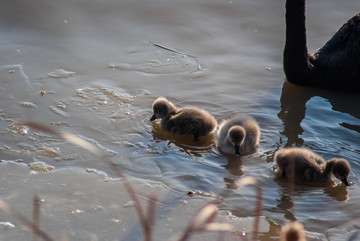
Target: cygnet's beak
[
  {"x": 153, "y": 117},
  {"x": 237, "y": 150},
  {"x": 345, "y": 181}
]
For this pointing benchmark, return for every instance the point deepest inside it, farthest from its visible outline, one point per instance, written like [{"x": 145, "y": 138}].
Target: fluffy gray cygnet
[
  {"x": 303, "y": 164},
  {"x": 189, "y": 121},
  {"x": 238, "y": 135}
]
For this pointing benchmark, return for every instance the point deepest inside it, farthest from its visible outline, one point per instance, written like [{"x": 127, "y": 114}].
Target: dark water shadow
[
  {"x": 186, "y": 144},
  {"x": 293, "y": 108}
]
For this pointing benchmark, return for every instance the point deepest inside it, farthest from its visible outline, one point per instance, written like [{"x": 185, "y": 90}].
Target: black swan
[{"x": 334, "y": 66}]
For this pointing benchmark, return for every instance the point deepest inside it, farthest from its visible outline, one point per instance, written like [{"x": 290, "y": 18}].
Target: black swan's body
[{"x": 334, "y": 66}]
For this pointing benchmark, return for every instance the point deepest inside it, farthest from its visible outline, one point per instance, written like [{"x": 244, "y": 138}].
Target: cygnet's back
[
  {"x": 299, "y": 163},
  {"x": 303, "y": 164},
  {"x": 188, "y": 121},
  {"x": 238, "y": 135}
]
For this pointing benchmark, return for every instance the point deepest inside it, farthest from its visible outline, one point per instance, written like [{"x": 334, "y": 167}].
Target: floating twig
[
  {"x": 42, "y": 91},
  {"x": 179, "y": 52}
]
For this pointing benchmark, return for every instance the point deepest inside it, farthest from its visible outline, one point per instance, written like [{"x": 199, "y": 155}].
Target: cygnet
[
  {"x": 303, "y": 164},
  {"x": 238, "y": 135},
  {"x": 187, "y": 121}
]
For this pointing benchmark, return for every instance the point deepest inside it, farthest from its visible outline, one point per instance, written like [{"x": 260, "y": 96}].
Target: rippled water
[{"x": 101, "y": 74}]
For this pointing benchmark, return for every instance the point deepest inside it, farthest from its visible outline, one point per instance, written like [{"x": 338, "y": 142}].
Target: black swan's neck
[
  {"x": 334, "y": 66},
  {"x": 296, "y": 64}
]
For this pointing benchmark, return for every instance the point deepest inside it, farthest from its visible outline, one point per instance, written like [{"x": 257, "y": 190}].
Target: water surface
[{"x": 101, "y": 74}]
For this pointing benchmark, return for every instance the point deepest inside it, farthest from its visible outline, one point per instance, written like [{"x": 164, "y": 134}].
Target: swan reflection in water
[{"x": 293, "y": 109}]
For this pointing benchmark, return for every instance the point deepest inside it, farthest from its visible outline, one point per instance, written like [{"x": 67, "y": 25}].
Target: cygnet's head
[
  {"x": 236, "y": 136},
  {"x": 161, "y": 108},
  {"x": 341, "y": 170}
]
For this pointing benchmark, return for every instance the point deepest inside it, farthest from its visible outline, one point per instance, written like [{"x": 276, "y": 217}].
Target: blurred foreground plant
[{"x": 203, "y": 220}]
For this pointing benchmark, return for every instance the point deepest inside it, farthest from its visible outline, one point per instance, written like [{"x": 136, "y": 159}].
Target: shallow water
[{"x": 101, "y": 74}]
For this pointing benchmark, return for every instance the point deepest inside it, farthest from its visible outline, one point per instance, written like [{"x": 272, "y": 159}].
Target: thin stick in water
[{"x": 181, "y": 53}]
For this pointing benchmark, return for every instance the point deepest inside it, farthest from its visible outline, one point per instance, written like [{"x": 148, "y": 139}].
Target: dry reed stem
[
  {"x": 96, "y": 151},
  {"x": 244, "y": 181},
  {"x": 36, "y": 214},
  {"x": 206, "y": 215},
  {"x": 203, "y": 221},
  {"x": 151, "y": 211},
  {"x": 35, "y": 228}
]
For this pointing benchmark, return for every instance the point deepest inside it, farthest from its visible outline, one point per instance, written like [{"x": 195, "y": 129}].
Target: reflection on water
[
  {"x": 285, "y": 204},
  {"x": 235, "y": 170},
  {"x": 187, "y": 144},
  {"x": 338, "y": 192},
  {"x": 291, "y": 192},
  {"x": 293, "y": 107},
  {"x": 234, "y": 165}
]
